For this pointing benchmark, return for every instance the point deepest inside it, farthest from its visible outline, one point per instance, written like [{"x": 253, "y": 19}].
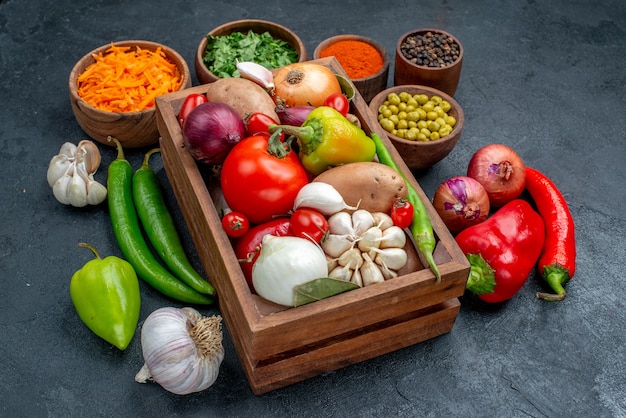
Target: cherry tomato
[
  {"x": 235, "y": 224},
  {"x": 310, "y": 224},
  {"x": 192, "y": 101},
  {"x": 248, "y": 247},
  {"x": 339, "y": 102},
  {"x": 402, "y": 213},
  {"x": 257, "y": 182},
  {"x": 258, "y": 123}
]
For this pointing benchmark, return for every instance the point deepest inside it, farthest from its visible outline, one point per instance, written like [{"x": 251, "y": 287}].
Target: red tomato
[
  {"x": 259, "y": 184},
  {"x": 235, "y": 224},
  {"x": 310, "y": 224},
  {"x": 402, "y": 213},
  {"x": 258, "y": 123},
  {"x": 339, "y": 102},
  {"x": 248, "y": 247},
  {"x": 192, "y": 101}
]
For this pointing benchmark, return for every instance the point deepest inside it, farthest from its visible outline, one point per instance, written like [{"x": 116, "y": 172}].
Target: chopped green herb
[{"x": 222, "y": 52}]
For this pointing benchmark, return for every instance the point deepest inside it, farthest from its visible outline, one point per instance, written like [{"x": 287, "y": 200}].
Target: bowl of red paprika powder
[{"x": 364, "y": 60}]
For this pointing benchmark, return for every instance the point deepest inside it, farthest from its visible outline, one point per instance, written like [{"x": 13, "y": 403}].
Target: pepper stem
[
  {"x": 118, "y": 144},
  {"x": 555, "y": 275},
  {"x": 481, "y": 278},
  {"x": 147, "y": 156},
  {"x": 309, "y": 135},
  {"x": 92, "y": 248}
]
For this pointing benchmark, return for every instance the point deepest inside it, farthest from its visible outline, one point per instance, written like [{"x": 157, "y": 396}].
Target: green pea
[
  {"x": 404, "y": 96},
  {"x": 393, "y": 99},
  {"x": 387, "y": 124},
  {"x": 413, "y": 116}
]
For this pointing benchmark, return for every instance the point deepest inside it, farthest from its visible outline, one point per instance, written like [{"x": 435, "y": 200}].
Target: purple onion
[
  {"x": 294, "y": 116},
  {"x": 211, "y": 130}
]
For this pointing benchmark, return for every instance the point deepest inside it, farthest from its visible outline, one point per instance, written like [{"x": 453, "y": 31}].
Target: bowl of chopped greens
[{"x": 266, "y": 43}]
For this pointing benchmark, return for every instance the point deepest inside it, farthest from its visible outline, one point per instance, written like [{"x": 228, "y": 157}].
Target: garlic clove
[
  {"x": 256, "y": 73},
  {"x": 88, "y": 153},
  {"x": 96, "y": 193},
  {"x": 61, "y": 188},
  {"x": 68, "y": 149},
  {"x": 57, "y": 167},
  {"x": 77, "y": 190}
]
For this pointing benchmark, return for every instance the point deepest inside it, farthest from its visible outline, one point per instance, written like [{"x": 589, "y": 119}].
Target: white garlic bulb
[
  {"x": 182, "y": 350},
  {"x": 70, "y": 174}
]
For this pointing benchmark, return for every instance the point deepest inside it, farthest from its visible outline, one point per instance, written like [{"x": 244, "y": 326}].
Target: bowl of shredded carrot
[
  {"x": 364, "y": 60},
  {"x": 113, "y": 90}
]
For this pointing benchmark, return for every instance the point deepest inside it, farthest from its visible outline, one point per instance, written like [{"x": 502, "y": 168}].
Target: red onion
[
  {"x": 500, "y": 170},
  {"x": 294, "y": 116},
  {"x": 461, "y": 202},
  {"x": 211, "y": 130}
]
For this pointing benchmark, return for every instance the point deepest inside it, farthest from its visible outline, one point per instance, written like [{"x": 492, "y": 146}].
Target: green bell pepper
[
  {"x": 327, "y": 138},
  {"x": 105, "y": 293}
]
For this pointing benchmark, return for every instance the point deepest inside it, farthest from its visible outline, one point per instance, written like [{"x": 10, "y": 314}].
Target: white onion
[{"x": 286, "y": 262}]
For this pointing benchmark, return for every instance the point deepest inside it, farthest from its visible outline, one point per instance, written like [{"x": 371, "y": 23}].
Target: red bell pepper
[{"x": 503, "y": 250}]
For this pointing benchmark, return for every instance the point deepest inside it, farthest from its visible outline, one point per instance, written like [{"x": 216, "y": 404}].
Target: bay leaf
[{"x": 321, "y": 288}]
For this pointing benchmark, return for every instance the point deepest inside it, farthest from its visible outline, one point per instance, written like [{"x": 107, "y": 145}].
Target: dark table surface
[{"x": 546, "y": 78}]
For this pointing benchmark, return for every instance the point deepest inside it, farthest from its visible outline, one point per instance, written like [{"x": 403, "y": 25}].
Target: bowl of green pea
[
  {"x": 423, "y": 123},
  {"x": 267, "y": 43}
]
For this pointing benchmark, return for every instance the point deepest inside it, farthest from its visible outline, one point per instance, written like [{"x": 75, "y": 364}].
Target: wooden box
[{"x": 278, "y": 346}]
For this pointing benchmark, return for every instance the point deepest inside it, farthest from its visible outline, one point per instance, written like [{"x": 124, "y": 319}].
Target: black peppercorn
[{"x": 430, "y": 49}]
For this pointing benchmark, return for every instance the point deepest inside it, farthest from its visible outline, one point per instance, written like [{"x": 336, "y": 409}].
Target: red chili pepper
[
  {"x": 192, "y": 101},
  {"x": 557, "y": 263},
  {"x": 502, "y": 250}
]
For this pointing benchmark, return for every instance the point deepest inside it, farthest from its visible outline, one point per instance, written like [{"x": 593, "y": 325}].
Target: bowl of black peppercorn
[{"x": 429, "y": 57}]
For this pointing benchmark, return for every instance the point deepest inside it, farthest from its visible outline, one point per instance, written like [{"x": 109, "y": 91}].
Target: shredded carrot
[{"x": 125, "y": 79}]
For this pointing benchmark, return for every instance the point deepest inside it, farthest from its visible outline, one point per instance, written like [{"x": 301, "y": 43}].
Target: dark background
[{"x": 546, "y": 78}]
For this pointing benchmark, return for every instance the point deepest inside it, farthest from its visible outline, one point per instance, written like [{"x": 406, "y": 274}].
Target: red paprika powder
[{"x": 358, "y": 59}]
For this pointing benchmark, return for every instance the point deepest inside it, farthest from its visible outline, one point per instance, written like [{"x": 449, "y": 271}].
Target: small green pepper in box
[
  {"x": 327, "y": 138},
  {"x": 105, "y": 293}
]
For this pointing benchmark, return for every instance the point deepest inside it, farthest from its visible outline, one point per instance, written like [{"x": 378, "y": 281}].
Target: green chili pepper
[
  {"x": 159, "y": 226},
  {"x": 327, "y": 138},
  {"x": 129, "y": 237},
  {"x": 421, "y": 227},
  {"x": 105, "y": 293}
]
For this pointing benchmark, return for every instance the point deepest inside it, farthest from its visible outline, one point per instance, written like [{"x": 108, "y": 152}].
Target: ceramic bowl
[
  {"x": 132, "y": 129},
  {"x": 255, "y": 25},
  {"x": 420, "y": 155},
  {"x": 368, "y": 86},
  {"x": 407, "y": 71}
]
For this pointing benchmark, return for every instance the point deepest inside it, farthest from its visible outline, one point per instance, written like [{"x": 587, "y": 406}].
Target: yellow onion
[{"x": 304, "y": 84}]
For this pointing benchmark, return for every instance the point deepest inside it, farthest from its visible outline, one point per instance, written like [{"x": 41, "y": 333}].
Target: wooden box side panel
[{"x": 361, "y": 345}]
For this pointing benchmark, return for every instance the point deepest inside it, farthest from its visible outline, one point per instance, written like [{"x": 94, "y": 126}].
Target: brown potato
[
  {"x": 245, "y": 96},
  {"x": 371, "y": 185}
]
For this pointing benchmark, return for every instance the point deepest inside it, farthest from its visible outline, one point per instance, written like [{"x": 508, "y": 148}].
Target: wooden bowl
[
  {"x": 420, "y": 155},
  {"x": 368, "y": 86},
  {"x": 445, "y": 79},
  {"x": 133, "y": 129},
  {"x": 255, "y": 25}
]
